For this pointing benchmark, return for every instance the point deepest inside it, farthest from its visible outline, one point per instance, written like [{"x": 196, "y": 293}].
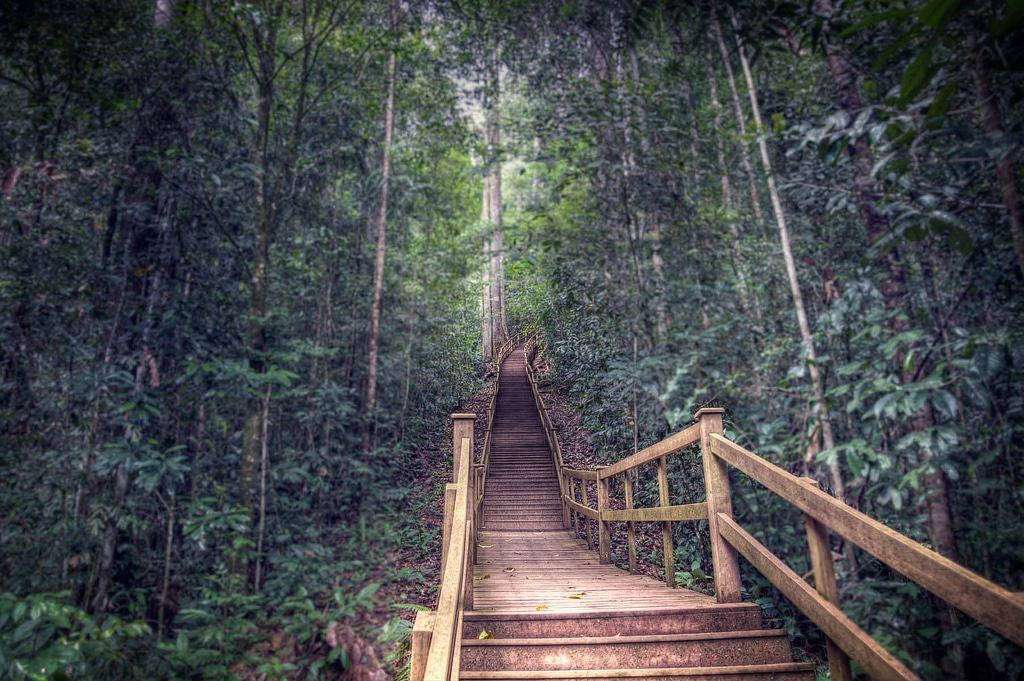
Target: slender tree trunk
[
  {"x": 252, "y": 439},
  {"x": 370, "y": 399},
  {"x": 264, "y": 464},
  {"x": 485, "y": 295},
  {"x": 1005, "y": 172},
  {"x": 168, "y": 552},
  {"x": 817, "y": 384},
  {"x": 495, "y": 261},
  {"x": 727, "y": 205},
  {"x": 748, "y": 166}
]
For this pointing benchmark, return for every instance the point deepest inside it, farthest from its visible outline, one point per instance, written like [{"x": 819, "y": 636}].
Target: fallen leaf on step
[
  {"x": 486, "y": 546},
  {"x": 484, "y": 635},
  {"x": 577, "y": 596},
  {"x": 510, "y": 569},
  {"x": 542, "y": 606},
  {"x": 484, "y": 576}
]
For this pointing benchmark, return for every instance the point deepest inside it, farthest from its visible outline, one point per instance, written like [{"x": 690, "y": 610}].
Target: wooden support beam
[
  {"x": 581, "y": 475},
  {"x": 824, "y": 570},
  {"x": 422, "y": 630},
  {"x": 878, "y": 662},
  {"x": 584, "y": 511},
  {"x": 627, "y": 477},
  {"x": 667, "y": 548},
  {"x": 446, "y": 528},
  {"x": 985, "y": 601},
  {"x": 603, "y": 535},
  {"x": 681, "y": 512},
  {"x": 462, "y": 426},
  {"x": 716, "y": 483}
]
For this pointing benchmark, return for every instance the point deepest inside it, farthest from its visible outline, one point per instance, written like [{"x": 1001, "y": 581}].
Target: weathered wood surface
[
  {"x": 682, "y": 512},
  {"x": 983, "y": 600},
  {"x": 725, "y": 567},
  {"x": 824, "y": 571},
  {"x": 552, "y": 572},
  {"x": 879, "y": 663},
  {"x": 669, "y": 445},
  {"x": 448, "y": 617}
]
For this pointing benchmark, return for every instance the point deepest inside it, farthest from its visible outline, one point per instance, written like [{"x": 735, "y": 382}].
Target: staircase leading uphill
[
  {"x": 551, "y": 610},
  {"x": 522, "y": 487}
]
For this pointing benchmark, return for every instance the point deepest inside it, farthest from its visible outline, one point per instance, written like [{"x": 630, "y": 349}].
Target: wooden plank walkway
[{"x": 526, "y": 560}]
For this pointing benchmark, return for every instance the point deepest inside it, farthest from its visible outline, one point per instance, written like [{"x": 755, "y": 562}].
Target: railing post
[
  {"x": 716, "y": 483},
  {"x": 574, "y": 518},
  {"x": 422, "y": 631},
  {"x": 462, "y": 429},
  {"x": 603, "y": 535},
  {"x": 630, "y": 532},
  {"x": 586, "y": 520},
  {"x": 825, "y": 583},
  {"x": 668, "y": 551},
  {"x": 446, "y": 529},
  {"x": 462, "y": 426}
]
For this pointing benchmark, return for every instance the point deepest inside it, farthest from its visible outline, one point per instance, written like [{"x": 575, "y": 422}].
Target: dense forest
[{"x": 254, "y": 254}]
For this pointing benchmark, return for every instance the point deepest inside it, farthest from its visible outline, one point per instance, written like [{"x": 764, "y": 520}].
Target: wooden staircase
[
  {"x": 552, "y": 610},
  {"x": 523, "y": 596}
]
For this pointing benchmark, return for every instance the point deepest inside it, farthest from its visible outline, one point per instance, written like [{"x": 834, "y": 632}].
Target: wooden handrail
[
  {"x": 985, "y": 601},
  {"x": 549, "y": 431},
  {"x": 669, "y": 445},
  {"x": 447, "y": 629},
  {"x": 581, "y": 475},
  {"x": 877, "y": 661}
]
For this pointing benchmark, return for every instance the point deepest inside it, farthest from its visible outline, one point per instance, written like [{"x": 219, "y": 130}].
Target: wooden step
[
  {"x": 779, "y": 671},
  {"x": 703, "y": 649},
  {"x": 682, "y": 620},
  {"x": 790, "y": 671}
]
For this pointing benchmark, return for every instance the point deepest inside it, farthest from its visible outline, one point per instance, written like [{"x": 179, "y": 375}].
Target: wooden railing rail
[
  {"x": 436, "y": 652},
  {"x": 549, "y": 431},
  {"x": 985, "y": 601}
]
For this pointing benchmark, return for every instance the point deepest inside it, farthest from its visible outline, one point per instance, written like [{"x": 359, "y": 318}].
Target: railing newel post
[
  {"x": 630, "y": 529},
  {"x": 667, "y": 547},
  {"x": 825, "y": 584},
  {"x": 716, "y": 483},
  {"x": 603, "y": 534}
]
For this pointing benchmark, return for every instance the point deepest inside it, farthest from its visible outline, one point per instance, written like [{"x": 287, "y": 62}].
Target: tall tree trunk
[
  {"x": 992, "y": 117},
  {"x": 485, "y": 295},
  {"x": 370, "y": 400},
  {"x": 817, "y": 384},
  {"x": 495, "y": 260},
  {"x": 252, "y": 439},
  {"x": 748, "y": 166},
  {"x": 739, "y": 266}
]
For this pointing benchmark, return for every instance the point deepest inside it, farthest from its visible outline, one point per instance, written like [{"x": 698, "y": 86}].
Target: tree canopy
[{"x": 255, "y": 253}]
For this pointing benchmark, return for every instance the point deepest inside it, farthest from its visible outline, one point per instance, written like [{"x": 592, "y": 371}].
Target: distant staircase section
[
  {"x": 523, "y": 598},
  {"x": 522, "y": 485}
]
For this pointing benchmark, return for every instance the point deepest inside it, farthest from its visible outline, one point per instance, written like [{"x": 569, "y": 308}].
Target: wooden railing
[
  {"x": 437, "y": 636},
  {"x": 987, "y": 602},
  {"x": 549, "y": 432}
]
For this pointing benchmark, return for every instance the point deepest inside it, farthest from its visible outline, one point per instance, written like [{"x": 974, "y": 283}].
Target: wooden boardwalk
[
  {"x": 523, "y": 598},
  {"x": 525, "y": 558},
  {"x": 545, "y": 606}
]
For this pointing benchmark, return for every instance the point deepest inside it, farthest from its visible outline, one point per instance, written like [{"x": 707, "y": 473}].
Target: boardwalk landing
[{"x": 553, "y": 611}]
